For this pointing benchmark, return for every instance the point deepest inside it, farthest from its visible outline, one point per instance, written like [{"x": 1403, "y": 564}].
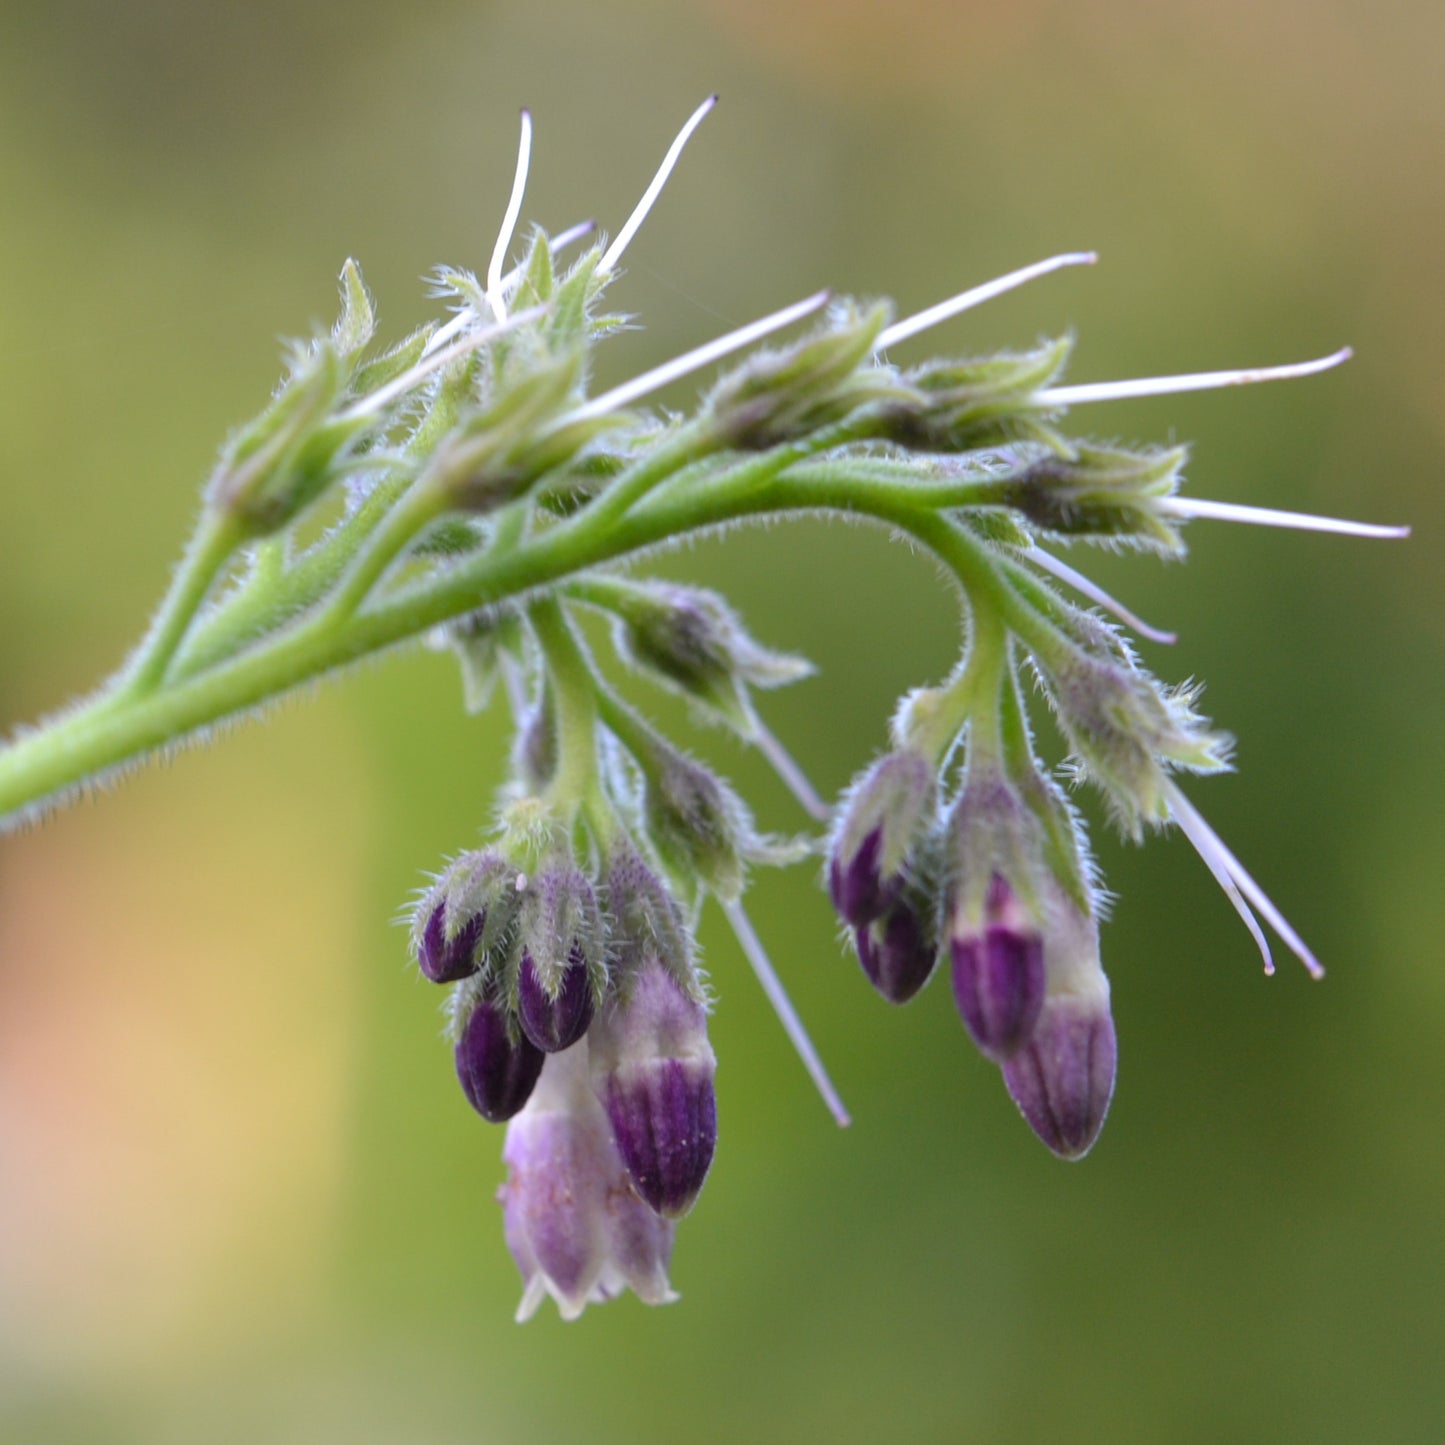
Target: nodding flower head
[{"x": 575, "y": 1225}]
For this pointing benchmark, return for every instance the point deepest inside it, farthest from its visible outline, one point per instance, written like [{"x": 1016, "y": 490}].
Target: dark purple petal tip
[
  {"x": 447, "y": 960},
  {"x": 860, "y": 894},
  {"x": 497, "y": 1074},
  {"x": 1063, "y": 1079},
  {"x": 998, "y": 985},
  {"x": 664, "y": 1120},
  {"x": 897, "y": 954},
  {"x": 554, "y": 1024}
]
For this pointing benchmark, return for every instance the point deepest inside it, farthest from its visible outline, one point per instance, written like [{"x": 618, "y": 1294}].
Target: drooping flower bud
[
  {"x": 880, "y": 823},
  {"x": 462, "y": 915},
  {"x": 575, "y": 1226},
  {"x": 898, "y": 951},
  {"x": 699, "y": 826},
  {"x": 1062, "y": 1079},
  {"x": 1011, "y": 847},
  {"x": 562, "y": 954},
  {"x": 1125, "y": 726},
  {"x": 653, "y": 1070},
  {"x": 554, "y": 1019},
  {"x": 497, "y": 1065},
  {"x": 691, "y": 641},
  {"x": 998, "y": 973}
]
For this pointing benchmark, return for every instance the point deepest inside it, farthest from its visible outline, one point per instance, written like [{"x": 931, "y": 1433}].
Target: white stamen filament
[
  {"x": 509, "y": 221},
  {"x": 696, "y": 359},
  {"x": 1090, "y": 589},
  {"x": 1270, "y": 517},
  {"x": 1194, "y": 381},
  {"x": 966, "y": 300},
  {"x": 1217, "y": 857},
  {"x": 408, "y": 380},
  {"x": 466, "y": 316},
  {"x": 1204, "y": 845},
  {"x": 786, "y": 766},
  {"x": 613, "y": 254},
  {"x": 757, "y": 956}
]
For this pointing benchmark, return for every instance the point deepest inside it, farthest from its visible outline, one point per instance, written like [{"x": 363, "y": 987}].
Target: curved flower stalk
[{"x": 486, "y": 496}]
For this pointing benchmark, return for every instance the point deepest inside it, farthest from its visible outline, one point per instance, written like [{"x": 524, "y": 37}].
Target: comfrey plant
[{"x": 481, "y": 497}]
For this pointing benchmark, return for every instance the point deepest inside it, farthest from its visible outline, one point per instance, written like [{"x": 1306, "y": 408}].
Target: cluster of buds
[
  {"x": 579, "y": 1018},
  {"x": 997, "y": 880}
]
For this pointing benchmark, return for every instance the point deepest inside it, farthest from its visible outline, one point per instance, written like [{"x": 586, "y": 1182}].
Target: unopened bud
[
  {"x": 775, "y": 396},
  {"x": 1124, "y": 725},
  {"x": 653, "y": 1068},
  {"x": 966, "y": 405},
  {"x": 497, "y": 1065},
  {"x": 699, "y": 826},
  {"x": 880, "y": 824},
  {"x": 998, "y": 974},
  {"x": 462, "y": 915},
  {"x": 690, "y": 640},
  {"x": 562, "y": 960},
  {"x": 1101, "y": 492},
  {"x": 554, "y": 1017},
  {"x": 898, "y": 951},
  {"x": 1017, "y": 890},
  {"x": 1062, "y": 1079}
]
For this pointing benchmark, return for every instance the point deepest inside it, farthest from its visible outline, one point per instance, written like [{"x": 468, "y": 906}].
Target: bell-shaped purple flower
[
  {"x": 880, "y": 823},
  {"x": 653, "y": 1071},
  {"x": 497, "y": 1065},
  {"x": 897, "y": 951},
  {"x": 998, "y": 973},
  {"x": 574, "y": 1224},
  {"x": 554, "y": 1021}
]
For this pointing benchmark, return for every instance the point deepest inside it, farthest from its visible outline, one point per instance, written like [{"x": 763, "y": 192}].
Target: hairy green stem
[
  {"x": 215, "y": 541},
  {"x": 92, "y": 741}
]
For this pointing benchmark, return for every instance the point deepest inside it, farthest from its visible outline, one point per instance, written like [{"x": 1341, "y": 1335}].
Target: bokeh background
[{"x": 241, "y": 1197}]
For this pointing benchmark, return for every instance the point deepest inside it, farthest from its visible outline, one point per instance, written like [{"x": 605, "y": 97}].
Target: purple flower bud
[
  {"x": 449, "y": 932},
  {"x": 443, "y": 959},
  {"x": 560, "y": 951},
  {"x": 880, "y": 824},
  {"x": 497, "y": 1068},
  {"x": 1063, "y": 1078},
  {"x": 573, "y": 1222},
  {"x": 998, "y": 974},
  {"x": 653, "y": 1071},
  {"x": 897, "y": 952},
  {"x": 557, "y": 1020}
]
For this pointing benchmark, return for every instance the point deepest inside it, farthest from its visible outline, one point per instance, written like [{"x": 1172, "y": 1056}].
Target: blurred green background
[{"x": 242, "y": 1198}]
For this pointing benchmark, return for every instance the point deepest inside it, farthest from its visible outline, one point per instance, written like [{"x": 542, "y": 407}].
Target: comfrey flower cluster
[{"x": 466, "y": 487}]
